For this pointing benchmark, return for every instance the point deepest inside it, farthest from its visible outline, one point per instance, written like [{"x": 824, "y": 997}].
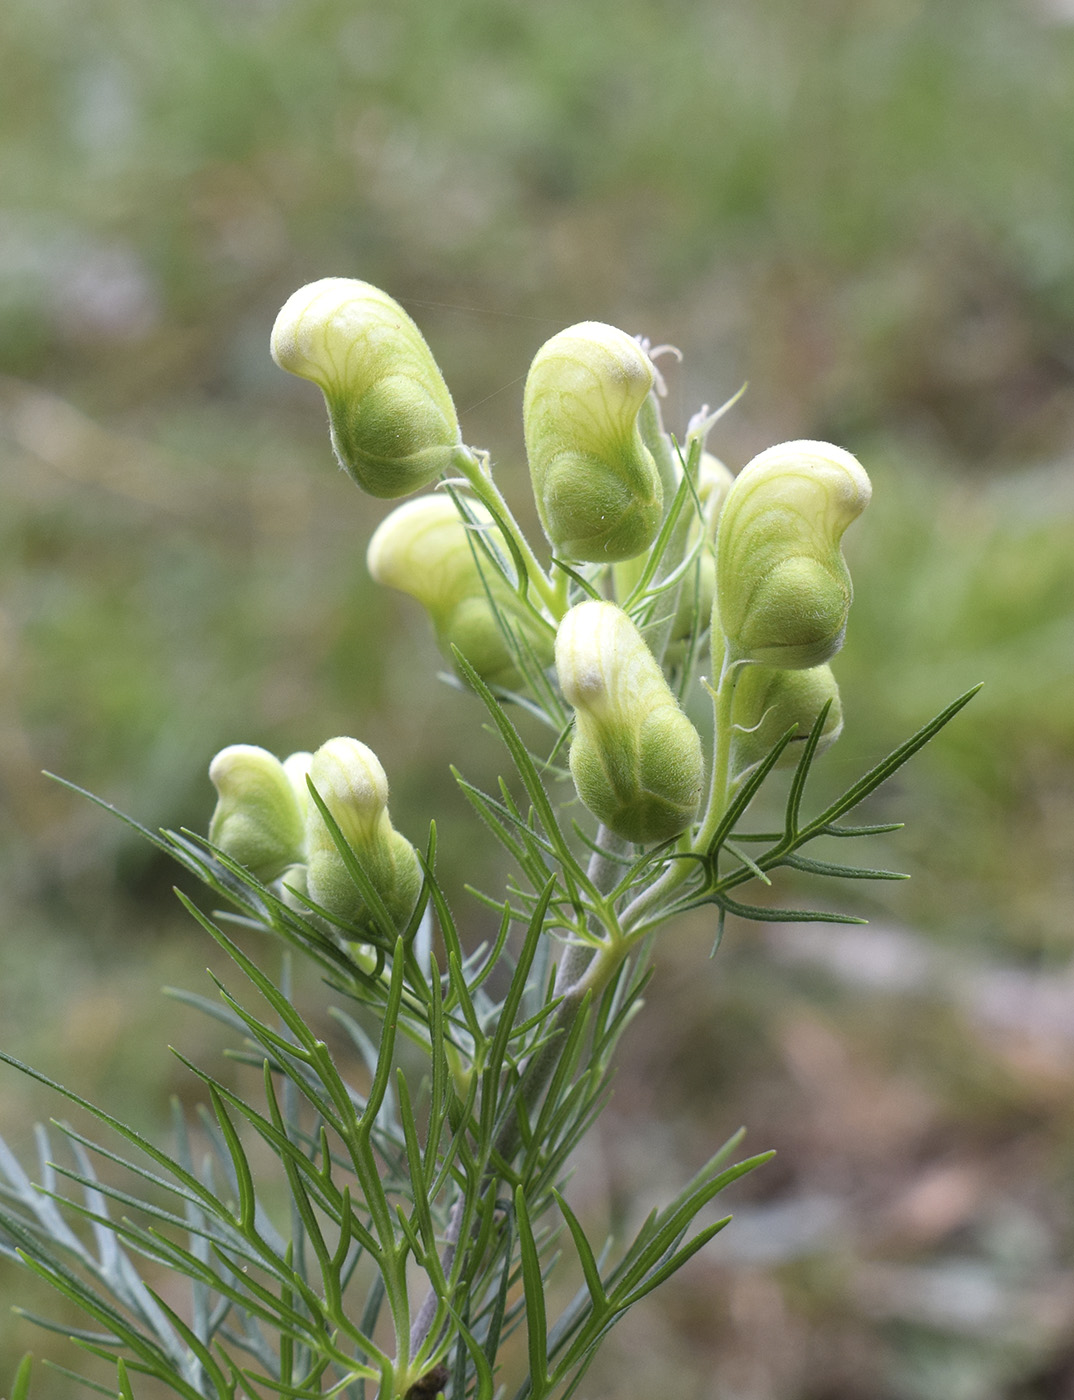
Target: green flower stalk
[
  {"x": 635, "y": 758},
  {"x": 259, "y": 819},
  {"x": 783, "y": 590},
  {"x": 769, "y": 701},
  {"x": 597, "y": 488},
  {"x": 349, "y": 779},
  {"x": 424, "y": 549},
  {"x": 392, "y": 419}
]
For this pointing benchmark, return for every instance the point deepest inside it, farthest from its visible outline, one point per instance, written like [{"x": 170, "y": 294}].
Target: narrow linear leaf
[
  {"x": 85, "y": 1380},
  {"x": 527, "y": 771},
  {"x": 217, "y": 1213},
  {"x": 86, "y": 1299},
  {"x": 486, "y": 808},
  {"x": 125, "y": 1390},
  {"x": 659, "y": 547},
  {"x": 509, "y": 1010},
  {"x": 154, "y": 838},
  {"x": 586, "y": 1257},
  {"x": 801, "y": 772},
  {"x": 484, "y": 1388},
  {"x": 880, "y": 830},
  {"x": 75, "y": 1334},
  {"x": 662, "y": 1232},
  {"x": 576, "y": 578},
  {"x": 891, "y": 764},
  {"x": 745, "y": 795},
  {"x": 201, "y": 1352},
  {"x": 379, "y": 1087},
  {"x": 304, "y": 1037},
  {"x": 370, "y": 895},
  {"x": 239, "y": 1161},
  {"x": 20, "y": 1388},
  {"x": 197, "y": 1191},
  {"x": 498, "y": 1310},
  {"x": 533, "y": 1287},
  {"x": 839, "y": 872},
  {"x": 416, "y": 1164},
  {"x": 759, "y": 913},
  {"x": 675, "y": 1263},
  {"x": 748, "y": 861}
]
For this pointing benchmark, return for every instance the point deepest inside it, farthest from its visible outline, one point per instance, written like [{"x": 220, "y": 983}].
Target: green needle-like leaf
[
  {"x": 586, "y": 1257},
  {"x": 656, "y": 554},
  {"x": 533, "y": 1285},
  {"x": 769, "y": 914},
  {"x": 801, "y": 772},
  {"x": 745, "y": 795},
  {"x": 527, "y": 771},
  {"x": 382, "y": 920},
  {"x": 125, "y": 1390},
  {"x": 498, "y": 1047},
  {"x": 839, "y": 872},
  {"x": 20, "y": 1388},
  {"x": 858, "y": 791},
  {"x": 239, "y": 1161}
]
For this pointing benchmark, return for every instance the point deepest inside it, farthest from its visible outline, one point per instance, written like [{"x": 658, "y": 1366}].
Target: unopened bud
[
  {"x": 392, "y": 420},
  {"x": 258, "y": 819},
  {"x": 296, "y": 766},
  {"x": 783, "y": 590},
  {"x": 351, "y": 783},
  {"x": 596, "y": 485},
  {"x": 636, "y": 758},
  {"x": 769, "y": 701},
  {"x": 425, "y": 549}
]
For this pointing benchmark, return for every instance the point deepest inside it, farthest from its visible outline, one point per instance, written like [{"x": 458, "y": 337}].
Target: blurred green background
[{"x": 865, "y": 209}]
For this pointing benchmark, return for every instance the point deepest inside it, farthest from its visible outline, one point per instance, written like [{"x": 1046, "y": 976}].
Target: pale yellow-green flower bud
[
  {"x": 635, "y": 758},
  {"x": 293, "y": 883},
  {"x": 698, "y": 587},
  {"x": 782, "y": 586},
  {"x": 769, "y": 701},
  {"x": 351, "y": 783},
  {"x": 258, "y": 820},
  {"x": 392, "y": 420},
  {"x": 714, "y": 480},
  {"x": 424, "y": 549},
  {"x": 596, "y": 485},
  {"x": 296, "y": 766}
]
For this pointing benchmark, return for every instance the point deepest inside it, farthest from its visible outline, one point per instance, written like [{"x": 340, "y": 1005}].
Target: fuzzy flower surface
[
  {"x": 635, "y": 758},
  {"x": 783, "y": 590},
  {"x": 391, "y": 417}
]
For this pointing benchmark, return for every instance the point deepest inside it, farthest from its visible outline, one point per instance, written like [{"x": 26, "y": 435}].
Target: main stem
[{"x": 581, "y": 971}]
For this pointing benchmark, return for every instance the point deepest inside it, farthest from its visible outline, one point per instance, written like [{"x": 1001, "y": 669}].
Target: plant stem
[
  {"x": 720, "y": 785},
  {"x": 603, "y": 873},
  {"x": 426, "y": 1314},
  {"x": 582, "y": 970},
  {"x": 488, "y": 493}
]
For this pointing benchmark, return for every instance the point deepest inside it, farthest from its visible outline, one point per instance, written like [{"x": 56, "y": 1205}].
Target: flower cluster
[
  {"x": 653, "y": 550},
  {"x": 304, "y": 821}
]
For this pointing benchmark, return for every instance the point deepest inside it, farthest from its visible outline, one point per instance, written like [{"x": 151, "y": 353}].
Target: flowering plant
[{"x": 425, "y": 1197}]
